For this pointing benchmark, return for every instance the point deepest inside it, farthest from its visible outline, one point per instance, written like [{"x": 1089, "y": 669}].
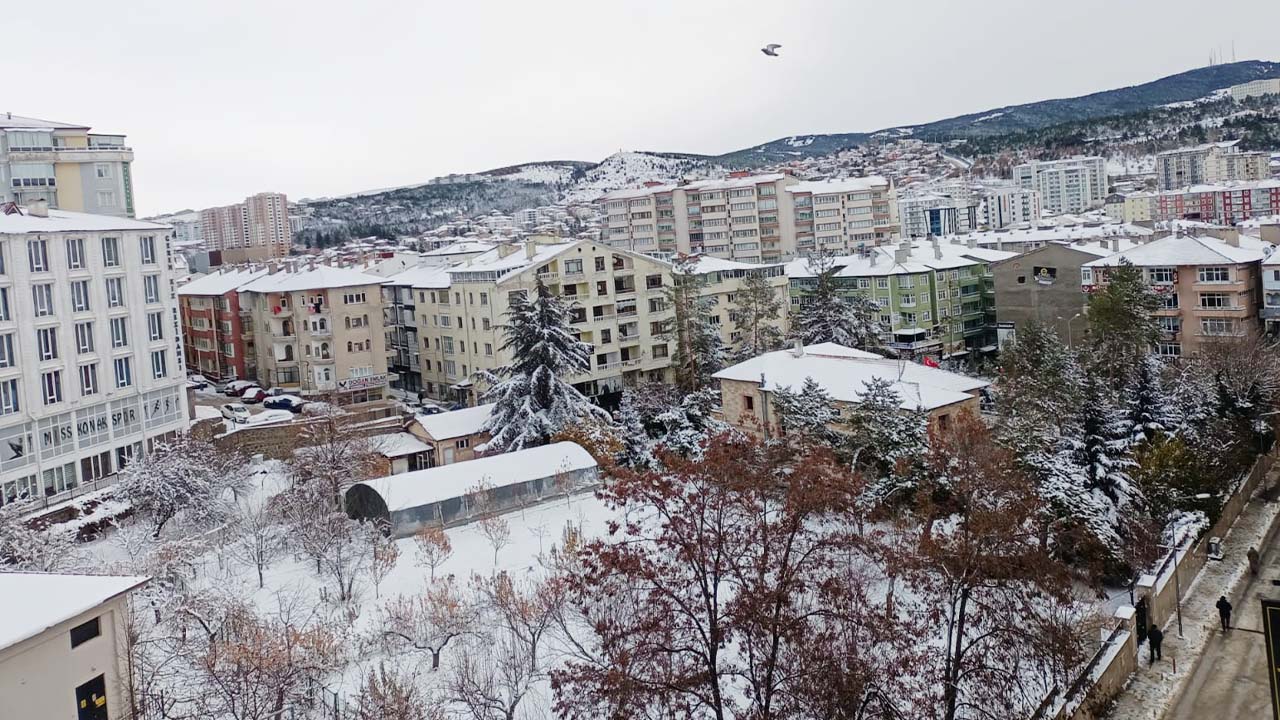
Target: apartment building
[
  {"x": 1065, "y": 186},
  {"x": 217, "y": 338},
  {"x": 1210, "y": 288},
  {"x": 1225, "y": 204},
  {"x": 254, "y": 230},
  {"x": 64, "y": 165},
  {"x": 91, "y": 367},
  {"x": 1216, "y": 162},
  {"x": 401, "y": 295},
  {"x": 1255, "y": 88},
  {"x": 936, "y": 298},
  {"x": 1003, "y": 206},
  {"x": 1134, "y": 207},
  {"x": 1271, "y": 294},
  {"x": 318, "y": 331},
  {"x": 63, "y": 648},
  {"x": 935, "y": 215},
  {"x": 1021, "y": 240},
  {"x": 843, "y": 216},
  {"x": 619, "y": 308}
]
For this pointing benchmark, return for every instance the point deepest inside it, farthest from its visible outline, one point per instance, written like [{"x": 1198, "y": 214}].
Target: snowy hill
[{"x": 627, "y": 169}]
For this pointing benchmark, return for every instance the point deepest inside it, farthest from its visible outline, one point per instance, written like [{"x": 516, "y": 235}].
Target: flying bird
[{"x": 771, "y": 49}]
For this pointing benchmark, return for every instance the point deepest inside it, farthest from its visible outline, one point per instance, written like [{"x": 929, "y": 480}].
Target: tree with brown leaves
[
  {"x": 430, "y": 620},
  {"x": 434, "y": 548}
]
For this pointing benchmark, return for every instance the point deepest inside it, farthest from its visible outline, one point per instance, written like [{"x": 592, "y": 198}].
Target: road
[{"x": 1230, "y": 680}]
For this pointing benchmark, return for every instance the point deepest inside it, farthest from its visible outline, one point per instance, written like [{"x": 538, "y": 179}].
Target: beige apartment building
[
  {"x": 844, "y": 216},
  {"x": 1211, "y": 289},
  {"x": 254, "y": 230},
  {"x": 317, "y": 331},
  {"x": 1210, "y": 163},
  {"x": 63, "y": 650},
  {"x": 65, "y": 165},
  {"x": 620, "y": 309}
]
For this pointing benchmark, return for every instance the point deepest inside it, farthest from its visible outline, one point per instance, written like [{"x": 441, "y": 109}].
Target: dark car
[{"x": 292, "y": 403}]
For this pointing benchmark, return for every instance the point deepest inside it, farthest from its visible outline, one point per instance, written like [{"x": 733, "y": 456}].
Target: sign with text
[
  {"x": 362, "y": 383},
  {"x": 1271, "y": 629}
]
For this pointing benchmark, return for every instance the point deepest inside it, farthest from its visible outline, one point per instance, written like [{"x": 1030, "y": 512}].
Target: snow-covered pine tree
[
  {"x": 886, "y": 440},
  {"x": 1150, "y": 407},
  {"x": 699, "y": 352},
  {"x": 1122, "y": 324},
  {"x": 1038, "y": 391},
  {"x": 532, "y": 401},
  {"x": 826, "y": 316},
  {"x": 1102, "y": 449},
  {"x": 637, "y": 446},
  {"x": 686, "y": 427},
  {"x": 806, "y": 415},
  {"x": 757, "y": 311}
]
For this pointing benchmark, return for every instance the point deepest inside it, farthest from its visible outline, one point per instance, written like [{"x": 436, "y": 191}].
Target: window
[
  {"x": 80, "y": 296},
  {"x": 599, "y": 264},
  {"x": 4, "y": 305},
  {"x": 1215, "y": 300},
  {"x": 115, "y": 292},
  {"x": 42, "y": 299},
  {"x": 110, "y": 252},
  {"x": 659, "y": 351},
  {"x": 488, "y": 349},
  {"x": 484, "y": 296},
  {"x": 150, "y": 288},
  {"x": 84, "y": 338},
  {"x": 882, "y": 283},
  {"x": 102, "y": 171},
  {"x": 7, "y": 359},
  {"x": 462, "y": 444},
  {"x": 85, "y": 632},
  {"x": 119, "y": 332},
  {"x": 38, "y": 255},
  {"x": 1169, "y": 349},
  {"x": 155, "y": 326},
  {"x": 75, "y": 254},
  {"x": 89, "y": 379},
  {"x": 159, "y": 364},
  {"x": 124, "y": 372},
  {"x": 47, "y": 343},
  {"x": 9, "y": 397},
  {"x": 1160, "y": 276},
  {"x": 1170, "y": 301},
  {"x": 51, "y": 384},
  {"x": 748, "y": 403},
  {"x": 1215, "y": 274},
  {"x": 353, "y": 298},
  {"x": 106, "y": 198}
]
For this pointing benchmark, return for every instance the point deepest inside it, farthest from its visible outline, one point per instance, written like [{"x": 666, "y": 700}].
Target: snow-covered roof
[
  {"x": 63, "y": 221},
  {"x": 495, "y": 262},
  {"x": 461, "y": 247},
  {"x": 220, "y": 283},
  {"x": 35, "y": 602},
  {"x": 427, "y": 278},
  {"x": 9, "y": 121},
  {"x": 1188, "y": 250},
  {"x": 1048, "y": 234},
  {"x": 730, "y": 182},
  {"x": 394, "y": 445},
  {"x": 882, "y": 260},
  {"x": 1102, "y": 248},
  {"x": 709, "y": 264},
  {"x": 458, "y": 423},
  {"x": 424, "y": 487},
  {"x": 842, "y": 372},
  {"x": 859, "y": 184},
  {"x": 1200, "y": 148},
  {"x": 317, "y": 278}
]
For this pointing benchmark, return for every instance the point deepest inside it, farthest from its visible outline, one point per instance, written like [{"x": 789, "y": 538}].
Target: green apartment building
[{"x": 936, "y": 299}]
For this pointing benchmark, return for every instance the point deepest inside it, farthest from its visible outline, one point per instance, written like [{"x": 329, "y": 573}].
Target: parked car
[
  {"x": 277, "y": 392},
  {"x": 197, "y": 382},
  {"x": 429, "y": 409},
  {"x": 253, "y": 395},
  {"x": 235, "y": 412},
  {"x": 236, "y": 388},
  {"x": 292, "y": 403},
  {"x": 268, "y": 417}
]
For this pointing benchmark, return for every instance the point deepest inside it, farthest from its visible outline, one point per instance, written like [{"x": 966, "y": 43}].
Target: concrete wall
[{"x": 1021, "y": 298}]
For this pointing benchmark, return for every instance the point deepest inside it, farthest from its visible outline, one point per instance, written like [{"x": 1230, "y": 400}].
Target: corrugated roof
[
  {"x": 220, "y": 283},
  {"x": 455, "y": 424}
]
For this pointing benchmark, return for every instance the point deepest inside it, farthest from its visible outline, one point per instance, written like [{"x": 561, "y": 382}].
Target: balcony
[
  {"x": 325, "y": 331},
  {"x": 549, "y": 278},
  {"x": 633, "y": 338},
  {"x": 281, "y": 311},
  {"x": 572, "y": 276},
  {"x": 914, "y": 345},
  {"x": 633, "y": 362}
]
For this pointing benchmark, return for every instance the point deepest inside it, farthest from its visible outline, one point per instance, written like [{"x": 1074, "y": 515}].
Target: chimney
[
  {"x": 937, "y": 251},
  {"x": 874, "y": 255},
  {"x": 1232, "y": 236},
  {"x": 1115, "y": 244},
  {"x": 797, "y": 350},
  {"x": 272, "y": 267},
  {"x": 505, "y": 249},
  {"x": 972, "y": 241},
  {"x": 902, "y": 253},
  {"x": 38, "y": 208},
  {"x": 530, "y": 249}
]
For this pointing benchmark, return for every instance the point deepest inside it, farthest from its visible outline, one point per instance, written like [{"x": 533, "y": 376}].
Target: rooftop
[
  {"x": 882, "y": 260},
  {"x": 495, "y": 262},
  {"x": 64, "y": 221},
  {"x": 455, "y": 424},
  {"x": 424, "y": 277},
  {"x": 35, "y": 602},
  {"x": 1189, "y": 250},
  {"x": 871, "y": 182},
  {"x": 461, "y": 247},
  {"x": 394, "y": 445},
  {"x": 310, "y": 278},
  {"x": 221, "y": 283},
  {"x": 842, "y": 372},
  {"x": 9, "y": 121}
]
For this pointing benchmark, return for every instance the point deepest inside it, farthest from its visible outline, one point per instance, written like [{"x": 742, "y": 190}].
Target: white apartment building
[
  {"x": 256, "y": 229},
  {"x": 1004, "y": 206},
  {"x": 1065, "y": 186},
  {"x": 751, "y": 218},
  {"x": 936, "y": 215},
  {"x": 91, "y": 368},
  {"x": 1255, "y": 88},
  {"x": 63, "y": 647},
  {"x": 1210, "y": 163},
  {"x": 64, "y": 165}
]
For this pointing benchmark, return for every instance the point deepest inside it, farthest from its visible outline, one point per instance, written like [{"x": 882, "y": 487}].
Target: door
[
  {"x": 448, "y": 456},
  {"x": 91, "y": 700},
  {"x": 1140, "y": 619}
]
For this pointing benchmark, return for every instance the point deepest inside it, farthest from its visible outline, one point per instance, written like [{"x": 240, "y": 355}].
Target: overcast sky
[{"x": 224, "y": 98}]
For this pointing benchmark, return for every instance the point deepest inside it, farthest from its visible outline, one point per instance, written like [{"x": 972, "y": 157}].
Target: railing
[
  {"x": 634, "y": 337},
  {"x": 39, "y": 504},
  {"x": 609, "y": 365},
  {"x": 549, "y": 277},
  {"x": 634, "y": 362},
  {"x": 626, "y": 313}
]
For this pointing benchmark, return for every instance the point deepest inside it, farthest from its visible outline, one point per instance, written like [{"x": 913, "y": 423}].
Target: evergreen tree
[
  {"x": 699, "y": 351},
  {"x": 884, "y": 439},
  {"x": 758, "y": 309},
  {"x": 637, "y": 446},
  {"x": 826, "y": 316},
  {"x": 806, "y": 416},
  {"x": 1150, "y": 407},
  {"x": 688, "y": 426},
  {"x": 1122, "y": 323},
  {"x": 532, "y": 401},
  {"x": 1038, "y": 391}
]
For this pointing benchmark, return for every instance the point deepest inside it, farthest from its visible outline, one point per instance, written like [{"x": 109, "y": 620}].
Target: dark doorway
[
  {"x": 1140, "y": 618},
  {"x": 91, "y": 699}
]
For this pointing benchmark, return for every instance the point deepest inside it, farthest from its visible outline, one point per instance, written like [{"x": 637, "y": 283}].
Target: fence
[{"x": 1109, "y": 670}]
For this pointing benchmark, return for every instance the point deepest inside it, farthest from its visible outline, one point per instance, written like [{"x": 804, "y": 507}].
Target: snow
[
  {"x": 424, "y": 487},
  {"x": 207, "y": 412},
  {"x": 985, "y": 118},
  {"x": 458, "y": 423},
  {"x": 461, "y": 247},
  {"x": 631, "y": 170},
  {"x": 859, "y": 184},
  {"x": 843, "y": 376},
  {"x": 394, "y": 445},
  {"x": 222, "y": 282},
  {"x": 316, "y": 278},
  {"x": 11, "y": 121},
  {"x": 495, "y": 262},
  {"x": 539, "y": 173},
  {"x": 1177, "y": 250},
  {"x": 426, "y": 278},
  {"x": 881, "y": 261},
  {"x": 35, "y": 602},
  {"x": 63, "y": 221},
  {"x": 707, "y": 264}
]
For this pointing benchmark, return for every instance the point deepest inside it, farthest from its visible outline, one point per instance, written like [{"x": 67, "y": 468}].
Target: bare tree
[
  {"x": 430, "y": 620},
  {"x": 333, "y": 455},
  {"x": 527, "y": 609},
  {"x": 28, "y": 545},
  {"x": 183, "y": 475},
  {"x": 434, "y": 548},
  {"x": 260, "y": 540},
  {"x": 497, "y": 531},
  {"x": 490, "y": 679},
  {"x": 385, "y": 553},
  {"x": 392, "y": 694}
]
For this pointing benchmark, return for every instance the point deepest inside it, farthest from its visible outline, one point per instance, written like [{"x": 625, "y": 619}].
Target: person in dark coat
[
  {"x": 1253, "y": 561},
  {"x": 1224, "y": 612},
  {"x": 1154, "y": 638}
]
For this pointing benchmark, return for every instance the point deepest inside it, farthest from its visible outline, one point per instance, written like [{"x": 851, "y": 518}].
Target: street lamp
[
  {"x": 1177, "y": 577},
  {"x": 1071, "y": 320}
]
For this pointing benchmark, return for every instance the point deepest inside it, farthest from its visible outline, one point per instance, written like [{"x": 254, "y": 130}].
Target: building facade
[
  {"x": 217, "y": 337},
  {"x": 1217, "y": 162},
  {"x": 1065, "y": 186},
  {"x": 91, "y": 362},
  {"x": 256, "y": 229},
  {"x": 843, "y": 216},
  {"x": 1211, "y": 289},
  {"x": 66, "y": 166},
  {"x": 1220, "y": 204}
]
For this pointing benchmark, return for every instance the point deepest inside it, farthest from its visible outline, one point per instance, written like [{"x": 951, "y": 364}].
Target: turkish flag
[{"x": 928, "y": 361}]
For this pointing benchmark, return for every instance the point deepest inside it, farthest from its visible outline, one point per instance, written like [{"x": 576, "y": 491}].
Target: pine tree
[
  {"x": 1150, "y": 407},
  {"x": 807, "y": 415},
  {"x": 1122, "y": 323},
  {"x": 637, "y": 446},
  {"x": 826, "y": 316},
  {"x": 1038, "y": 391},
  {"x": 699, "y": 351},
  {"x": 885, "y": 440},
  {"x": 758, "y": 309},
  {"x": 532, "y": 401},
  {"x": 688, "y": 426}
]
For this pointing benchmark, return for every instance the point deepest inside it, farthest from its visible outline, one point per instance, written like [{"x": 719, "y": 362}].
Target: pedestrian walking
[
  {"x": 1154, "y": 638},
  {"x": 1224, "y": 612},
  {"x": 1253, "y": 561}
]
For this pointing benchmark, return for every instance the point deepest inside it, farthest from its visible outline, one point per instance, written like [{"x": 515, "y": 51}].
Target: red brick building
[
  {"x": 1220, "y": 204},
  {"x": 217, "y": 337}
]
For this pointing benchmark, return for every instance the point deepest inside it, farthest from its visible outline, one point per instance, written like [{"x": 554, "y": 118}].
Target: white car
[
  {"x": 270, "y": 417},
  {"x": 235, "y": 412}
]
